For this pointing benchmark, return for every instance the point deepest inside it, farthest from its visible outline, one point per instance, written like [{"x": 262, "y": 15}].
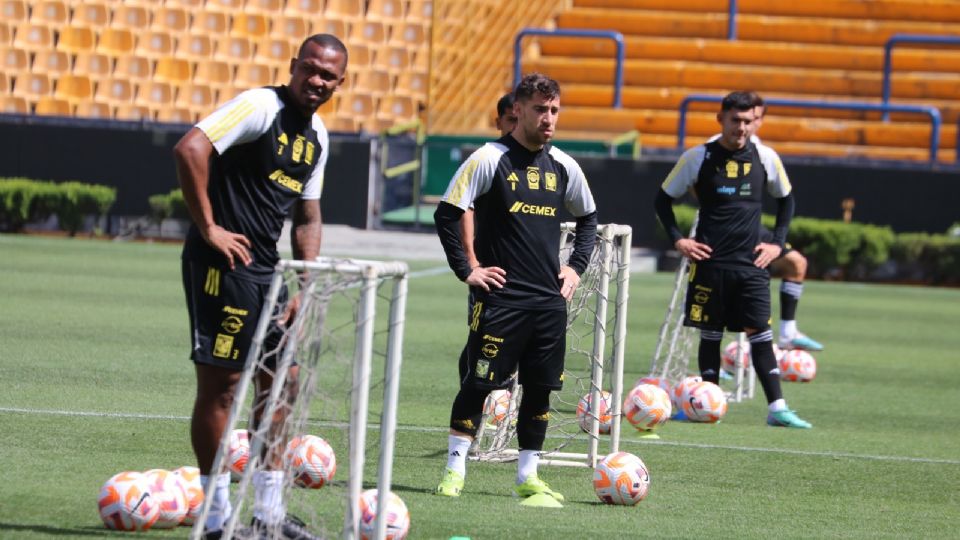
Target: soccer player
[
  {"x": 242, "y": 170},
  {"x": 516, "y": 185},
  {"x": 729, "y": 285}
]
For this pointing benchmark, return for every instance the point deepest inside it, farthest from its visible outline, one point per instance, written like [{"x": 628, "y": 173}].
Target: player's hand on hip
[
  {"x": 235, "y": 247},
  {"x": 690, "y": 248},
  {"x": 487, "y": 277},
  {"x": 569, "y": 280},
  {"x": 767, "y": 254}
]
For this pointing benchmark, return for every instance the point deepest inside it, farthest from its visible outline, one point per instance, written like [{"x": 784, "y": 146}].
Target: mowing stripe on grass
[{"x": 438, "y": 429}]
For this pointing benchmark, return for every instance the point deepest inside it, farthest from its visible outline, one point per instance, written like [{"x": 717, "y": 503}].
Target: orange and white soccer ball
[
  {"x": 192, "y": 490},
  {"x": 798, "y": 365},
  {"x": 731, "y": 358},
  {"x": 497, "y": 406},
  {"x": 126, "y": 504},
  {"x": 704, "y": 402},
  {"x": 396, "y": 514},
  {"x": 311, "y": 461},
  {"x": 621, "y": 478},
  {"x": 656, "y": 381},
  {"x": 238, "y": 452},
  {"x": 169, "y": 492},
  {"x": 647, "y": 407},
  {"x": 679, "y": 392},
  {"x": 585, "y": 412}
]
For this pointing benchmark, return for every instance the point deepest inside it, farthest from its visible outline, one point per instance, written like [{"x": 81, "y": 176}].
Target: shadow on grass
[{"x": 11, "y": 528}]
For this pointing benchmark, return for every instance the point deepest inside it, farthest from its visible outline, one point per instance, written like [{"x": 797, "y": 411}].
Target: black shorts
[
  {"x": 504, "y": 340},
  {"x": 766, "y": 236},
  {"x": 731, "y": 298},
  {"x": 224, "y": 312}
]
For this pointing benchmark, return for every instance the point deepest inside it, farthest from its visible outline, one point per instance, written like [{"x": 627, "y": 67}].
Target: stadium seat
[
  {"x": 53, "y": 13},
  {"x": 186, "y": 4},
  {"x": 76, "y": 39},
  {"x": 176, "y": 115},
  {"x": 135, "y": 18},
  {"x": 234, "y": 49},
  {"x": 14, "y": 61},
  {"x": 215, "y": 73},
  {"x": 14, "y": 105},
  {"x": 388, "y": 11},
  {"x": 6, "y": 34},
  {"x": 392, "y": 59},
  {"x": 173, "y": 70},
  {"x": 154, "y": 95},
  {"x": 93, "y": 64},
  {"x": 199, "y": 98},
  {"x": 212, "y": 23},
  {"x": 396, "y": 109},
  {"x": 154, "y": 44},
  {"x": 371, "y": 33},
  {"x": 117, "y": 42},
  {"x": 359, "y": 56},
  {"x": 420, "y": 11},
  {"x": 135, "y": 68},
  {"x": 51, "y": 61},
  {"x": 175, "y": 20},
  {"x": 290, "y": 28},
  {"x": 358, "y": 105},
  {"x": 344, "y": 124},
  {"x": 114, "y": 91},
  {"x": 74, "y": 88},
  {"x": 265, "y": 7},
  {"x": 250, "y": 25},
  {"x": 93, "y": 109},
  {"x": 32, "y": 86},
  {"x": 4, "y": 83},
  {"x": 194, "y": 47},
  {"x": 331, "y": 107},
  {"x": 14, "y": 10},
  {"x": 409, "y": 35},
  {"x": 92, "y": 14},
  {"x": 133, "y": 112},
  {"x": 372, "y": 81},
  {"x": 276, "y": 51},
  {"x": 413, "y": 84},
  {"x": 335, "y": 27},
  {"x": 348, "y": 10},
  {"x": 309, "y": 8},
  {"x": 251, "y": 75},
  {"x": 51, "y": 106},
  {"x": 33, "y": 37},
  {"x": 225, "y": 6}
]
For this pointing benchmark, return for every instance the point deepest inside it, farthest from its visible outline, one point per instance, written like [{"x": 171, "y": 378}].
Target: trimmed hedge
[
  {"x": 23, "y": 200},
  {"x": 857, "y": 251},
  {"x": 169, "y": 205}
]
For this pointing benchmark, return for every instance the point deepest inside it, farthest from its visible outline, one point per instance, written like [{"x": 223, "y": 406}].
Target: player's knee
[
  {"x": 533, "y": 417},
  {"x": 467, "y": 409},
  {"x": 797, "y": 266}
]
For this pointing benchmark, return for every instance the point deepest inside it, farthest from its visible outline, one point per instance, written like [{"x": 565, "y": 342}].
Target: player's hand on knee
[
  {"x": 690, "y": 248},
  {"x": 486, "y": 277},
  {"x": 766, "y": 253},
  {"x": 569, "y": 280},
  {"x": 235, "y": 247}
]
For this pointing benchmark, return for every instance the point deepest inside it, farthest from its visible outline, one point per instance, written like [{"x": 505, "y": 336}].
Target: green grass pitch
[{"x": 94, "y": 333}]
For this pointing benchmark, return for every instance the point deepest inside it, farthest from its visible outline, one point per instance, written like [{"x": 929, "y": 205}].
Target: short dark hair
[
  {"x": 536, "y": 82},
  {"x": 505, "y": 104},
  {"x": 741, "y": 101},
  {"x": 328, "y": 41},
  {"x": 758, "y": 102}
]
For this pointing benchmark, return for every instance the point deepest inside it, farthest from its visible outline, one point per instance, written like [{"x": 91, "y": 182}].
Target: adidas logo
[{"x": 455, "y": 453}]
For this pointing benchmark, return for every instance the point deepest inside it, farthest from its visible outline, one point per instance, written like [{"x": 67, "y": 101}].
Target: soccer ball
[
  {"x": 798, "y": 365},
  {"x": 679, "y": 392},
  {"x": 311, "y": 461},
  {"x": 496, "y": 406},
  {"x": 169, "y": 491},
  {"x": 656, "y": 381},
  {"x": 126, "y": 504},
  {"x": 730, "y": 359},
  {"x": 647, "y": 407},
  {"x": 621, "y": 478},
  {"x": 704, "y": 402},
  {"x": 396, "y": 514},
  {"x": 238, "y": 452},
  {"x": 192, "y": 490},
  {"x": 584, "y": 411}
]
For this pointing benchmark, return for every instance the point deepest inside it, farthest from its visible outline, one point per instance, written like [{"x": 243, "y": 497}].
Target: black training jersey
[
  {"x": 516, "y": 194},
  {"x": 729, "y": 186},
  {"x": 270, "y": 155}
]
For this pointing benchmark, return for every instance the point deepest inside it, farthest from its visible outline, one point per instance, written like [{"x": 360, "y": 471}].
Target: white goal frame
[
  {"x": 370, "y": 272},
  {"x": 620, "y": 275}
]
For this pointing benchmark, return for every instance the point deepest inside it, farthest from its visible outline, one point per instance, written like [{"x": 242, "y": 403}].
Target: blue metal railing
[
  {"x": 896, "y": 39},
  {"x": 732, "y": 20},
  {"x": 617, "y": 38},
  {"x": 932, "y": 112}
]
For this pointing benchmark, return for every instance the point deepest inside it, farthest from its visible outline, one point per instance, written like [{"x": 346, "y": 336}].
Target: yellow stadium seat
[
  {"x": 213, "y": 23},
  {"x": 154, "y": 44},
  {"x": 74, "y": 88},
  {"x": 372, "y": 81},
  {"x": 420, "y": 11},
  {"x": 171, "y": 19},
  {"x": 92, "y": 14},
  {"x": 76, "y": 39},
  {"x": 358, "y": 105},
  {"x": 359, "y": 56},
  {"x": 411, "y": 83},
  {"x": 173, "y": 70},
  {"x": 196, "y": 97},
  {"x": 371, "y": 33},
  {"x": 116, "y": 42},
  {"x": 350, "y": 10},
  {"x": 397, "y": 108},
  {"x": 6, "y": 34},
  {"x": 32, "y": 86},
  {"x": 277, "y": 51},
  {"x": 93, "y": 109},
  {"x": 333, "y": 26},
  {"x": 331, "y": 106},
  {"x": 410, "y": 35},
  {"x": 234, "y": 49},
  {"x": 53, "y": 13},
  {"x": 176, "y": 115},
  {"x": 51, "y": 106},
  {"x": 266, "y": 7},
  {"x": 135, "y": 68},
  {"x": 215, "y": 73},
  {"x": 51, "y": 61},
  {"x": 392, "y": 59},
  {"x": 250, "y": 75},
  {"x": 14, "y": 10},
  {"x": 186, "y": 4},
  {"x": 135, "y": 18},
  {"x": 14, "y": 61},
  {"x": 154, "y": 94},
  {"x": 33, "y": 37},
  {"x": 195, "y": 46},
  {"x": 250, "y": 25},
  {"x": 92, "y": 64},
  {"x": 226, "y": 6},
  {"x": 14, "y": 105},
  {"x": 115, "y": 91},
  {"x": 343, "y": 124},
  {"x": 385, "y": 10},
  {"x": 293, "y": 28},
  {"x": 310, "y": 8},
  {"x": 133, "y": 112}
]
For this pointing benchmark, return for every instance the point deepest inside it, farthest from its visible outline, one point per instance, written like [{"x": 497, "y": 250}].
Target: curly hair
[{"x": 534, "y": 83}]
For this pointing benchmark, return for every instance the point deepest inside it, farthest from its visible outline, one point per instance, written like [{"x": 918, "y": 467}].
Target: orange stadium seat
[
  {"x": 154, "y": 44},
  {"x": 174, "y": 114},
  {"x": 14, "y": 105},
  {"x": 92, "y": 64},
  {"x": 32, "y": 86},
  {"x": 358, "y": 105},
  {"x": 250, "y": 25},
  {"x": 277, "y": 51},
  {"x": 392, "y": 59},
  {"x": 226, "y": 6},
  {"x": 411, "y": 83},
  {"x": 76, "y": 39},
  {"x": 134, "y": 112},
  {"x": 372, "y": 81},
  {"x": 33, "y": 37},
  {"x": 173, "y": 70},
  {"x": 51, "y": 106},
  {"x": 14, "y": 10},
  {"x": 51, "y": 61},
  {"x": 266, "y": 7},
  {"x": 293, "y": 28},
  {"x": 154, "y": 95},
  {"x": 118, "y": 42},
  {"x": 396, "y": 109},
  {"x": 235, "y": 49},
  {"x": 92, "y": 14},
  {"x": 215, "y": 73},
  {"x": 359, "y": 56},
  {"x": 74, "y": 88},
  {"x": 309, "y": 8},
  {"x": 14, "y": 61},
  {"x": 420, "y": 11},
  {"x": 410, "y": 35},
  {"x": 212, "y": 23},
  {"x": 53, "y": 13},
  {"x": 114, "y": 91},
  {"x": 133, "y": 67},
  {"x": 371, "y": 33},
  {"x": 196, "y": 97},
  {"x": 4, "y": 83},
  {"x": 250, "y": 75},
  {"x": 388, "y": 11},
  {"x": 334, "y": 27},
  {"x": 350, "y": 10},
  {"x": 135, "y": 18},
  {"x": 186, "y": 4},
  {"x": 344, "y": 124},
  {"x": 195, "y": 46},
  {"x": 93, "y": 109},
  {"x": 6, "y": 34},
  {"x": 175, "y": 20}
]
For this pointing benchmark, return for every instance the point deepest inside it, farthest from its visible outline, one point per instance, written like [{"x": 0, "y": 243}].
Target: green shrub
[
  {"x": 79, "y": 200},
  {"x": 23, "y": 200},
  {"x": 169, "y": 205},
  {"x": 933, "y": 258}
]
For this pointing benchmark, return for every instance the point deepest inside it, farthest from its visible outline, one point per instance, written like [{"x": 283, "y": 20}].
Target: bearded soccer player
[
  {"x": 242, "y": 170},
  {"x": 729, "y": 286},
  {"x": 516, "y": 186}
]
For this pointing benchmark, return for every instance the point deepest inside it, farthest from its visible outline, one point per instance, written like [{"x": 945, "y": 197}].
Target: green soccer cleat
[
  {"x": 787, "y": 418},
  {"x": 451, "y": 485},
  {"x": 534, "y": 485}
]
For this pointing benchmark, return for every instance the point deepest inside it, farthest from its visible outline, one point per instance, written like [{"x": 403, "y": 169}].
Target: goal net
[
  {"x": 677, "y": 345},
  {"x": 346, "y": 337},
  {"x": 596, "y": 333}
]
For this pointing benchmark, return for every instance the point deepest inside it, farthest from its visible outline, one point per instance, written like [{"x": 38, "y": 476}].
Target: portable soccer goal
[
  {"x": 596, "y": 337},
  {"x": 677, "y": 344},
  {"x": 348, "y": 326}
]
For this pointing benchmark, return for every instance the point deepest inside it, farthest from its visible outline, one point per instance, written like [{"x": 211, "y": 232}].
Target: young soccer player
[
  {"x": 516, "y": 185},
  {"x": 242, "y": 170},
  {"x": 729, "y": 286}
]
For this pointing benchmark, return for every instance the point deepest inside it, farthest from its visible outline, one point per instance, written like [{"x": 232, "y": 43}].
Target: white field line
[{"x": 438, "y": 429}]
